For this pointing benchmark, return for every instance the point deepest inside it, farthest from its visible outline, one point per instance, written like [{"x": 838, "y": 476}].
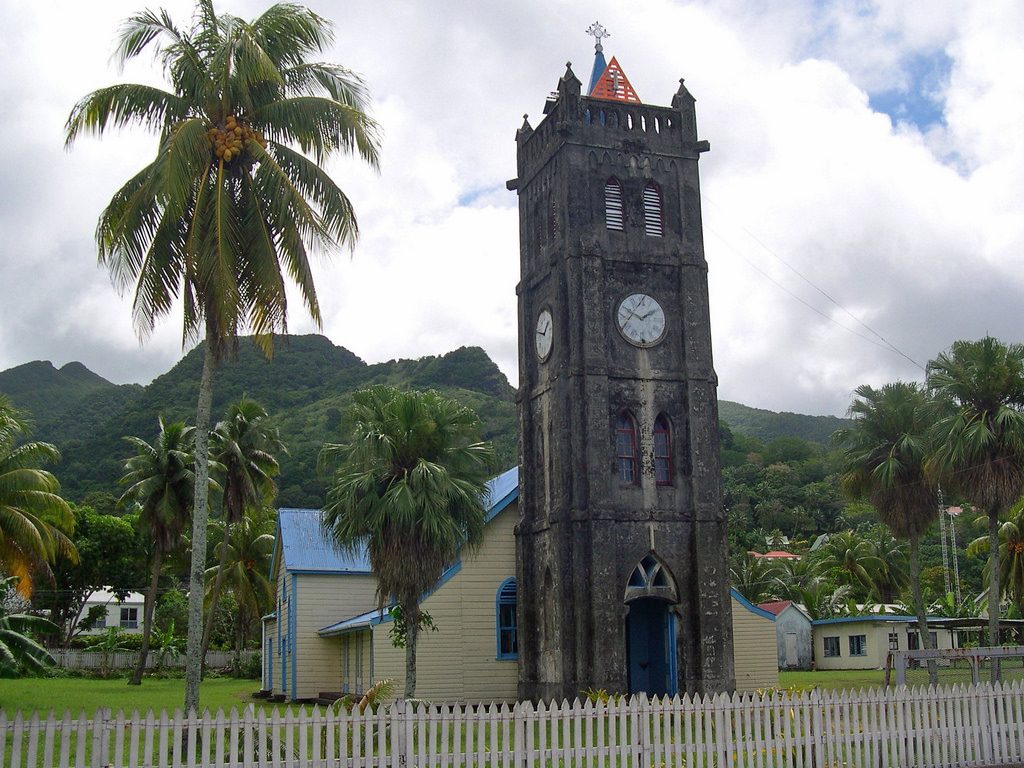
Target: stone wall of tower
[{"x": 582, "y": 531}]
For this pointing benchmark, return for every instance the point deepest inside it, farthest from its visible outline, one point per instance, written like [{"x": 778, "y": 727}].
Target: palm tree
[
  {"x": 246, "y": 549},
  {"x": 244, "y": 445},
  {"x": 884, "y": 459},
  {"x": 159, "y": 479},
  {"x": 756, "y": 578},
  {"x": 894, "y": 572},
  {"x": 850, "y": 560},
  {"x": 409, "y": 489},
  {"x": 1011, "y": 555},
  {"x": 31, "y": 509},
  {"x": 979, "y": 436},
  {"x": 18, "y": 651},
  {"x": 235, "y": 196}
]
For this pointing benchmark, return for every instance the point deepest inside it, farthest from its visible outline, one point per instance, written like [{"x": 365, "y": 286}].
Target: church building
[
  {"x": 603, "y": 563},
  {"x": 621, "y": 545}
]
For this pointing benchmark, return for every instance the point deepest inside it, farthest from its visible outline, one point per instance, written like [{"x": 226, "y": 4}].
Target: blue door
[{"x": 650, "y": 647}]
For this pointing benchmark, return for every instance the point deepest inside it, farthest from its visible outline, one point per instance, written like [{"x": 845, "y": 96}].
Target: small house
[
  {"x": 124, "y": 613},
  {"x": 864, "y": 642},
  {"x": 793, "y": 634}
]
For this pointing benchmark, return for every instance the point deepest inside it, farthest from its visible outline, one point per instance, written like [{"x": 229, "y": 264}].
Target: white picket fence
[
  {"x": 954, "y": 726},
  {"x": 75, "y": 659}
]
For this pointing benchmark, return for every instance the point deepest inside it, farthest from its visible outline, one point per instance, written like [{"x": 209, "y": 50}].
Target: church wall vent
[
  {"x": 654, "y": 219},
  {"x": 613, "y": 205}
]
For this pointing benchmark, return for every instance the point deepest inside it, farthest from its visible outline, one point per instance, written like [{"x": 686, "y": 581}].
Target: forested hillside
[{"x": 305, "y": 388}]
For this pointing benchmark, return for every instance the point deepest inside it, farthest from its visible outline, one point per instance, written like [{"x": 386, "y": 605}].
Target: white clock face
[
  {"x": 544, "y": 334},
  {"x": 641, "y": 320}
]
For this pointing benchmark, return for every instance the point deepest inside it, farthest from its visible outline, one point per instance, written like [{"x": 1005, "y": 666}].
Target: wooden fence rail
[{"x": 958, "y": 725}]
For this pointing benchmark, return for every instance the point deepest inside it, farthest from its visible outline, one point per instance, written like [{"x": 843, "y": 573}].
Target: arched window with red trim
[
  {"x": 662, "y": 450},
  {"x": 626, "y": 458}
]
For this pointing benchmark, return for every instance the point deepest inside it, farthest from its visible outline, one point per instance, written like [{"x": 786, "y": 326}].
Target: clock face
[
  {"x": 641, "y": 320},
  {"x": 544, "y": 334}
]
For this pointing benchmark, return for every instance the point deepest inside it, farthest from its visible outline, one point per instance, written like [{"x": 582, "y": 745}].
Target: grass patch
[
  {"x": 77, "y": 693},
  {"x": 834, "y": 679}
]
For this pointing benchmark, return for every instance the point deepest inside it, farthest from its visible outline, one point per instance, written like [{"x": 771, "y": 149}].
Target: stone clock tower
[{"x": 621, "y": 547}]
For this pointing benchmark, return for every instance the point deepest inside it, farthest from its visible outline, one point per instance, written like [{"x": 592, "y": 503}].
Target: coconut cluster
[{"x": 229, "y": 141}]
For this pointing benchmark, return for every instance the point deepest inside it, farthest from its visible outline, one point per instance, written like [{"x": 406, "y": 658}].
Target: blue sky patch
[{"x": 920, "y": 102}]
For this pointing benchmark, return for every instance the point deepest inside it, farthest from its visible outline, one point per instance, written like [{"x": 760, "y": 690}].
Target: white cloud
[{"x": 918, "y": 235}]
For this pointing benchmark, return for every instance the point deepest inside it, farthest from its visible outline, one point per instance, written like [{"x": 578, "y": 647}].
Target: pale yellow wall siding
[
  {"x": 322, "y": 600},
  {"x": 459, "y": 661},
  {"x": 754, "y": 649}
]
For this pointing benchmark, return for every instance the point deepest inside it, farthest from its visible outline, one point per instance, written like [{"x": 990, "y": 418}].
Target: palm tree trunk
[
  {"x": 919, "y": 610},
  {"x": 200, "y": 519},
  {"x": 147, "y": 617},
  {"x": 993, "y": 585},
  {"x": 218, "y": 583},
  {"x": 411, "y": 613}
]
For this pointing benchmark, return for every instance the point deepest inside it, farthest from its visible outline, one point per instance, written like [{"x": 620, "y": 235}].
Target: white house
[
  {"x": 864, "y": 642},
  {"x": 125, "y": 614}
]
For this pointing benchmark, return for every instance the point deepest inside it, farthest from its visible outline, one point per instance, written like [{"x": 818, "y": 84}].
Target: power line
[{"x": 882, "y": 341}]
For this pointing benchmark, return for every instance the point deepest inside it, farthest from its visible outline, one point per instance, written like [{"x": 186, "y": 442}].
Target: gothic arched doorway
[{"x": 650, "y": 629}]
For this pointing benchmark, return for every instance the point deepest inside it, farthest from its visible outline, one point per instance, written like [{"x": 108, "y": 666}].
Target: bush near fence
[{"x": 958, "y": 725}]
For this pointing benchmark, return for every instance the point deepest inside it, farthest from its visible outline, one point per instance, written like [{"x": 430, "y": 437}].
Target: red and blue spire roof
[{"x": 607, "y": 80}]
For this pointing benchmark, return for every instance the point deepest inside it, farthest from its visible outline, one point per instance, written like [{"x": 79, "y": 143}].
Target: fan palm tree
[
  {"x": 235, "y": 196},
  {"x": 246, "y": 549},
  {"x": 408, "y": 487},
  {"x": 1011, "y": 555},
  {"x": 884, "y": 460},
  {"x": 244, "y": 445},
  {"x": 979, "y": 437},
  {"x": 31, "y": 509},
  {"x": 18, "y": 651},
  {"x": 159, "y": 479}
]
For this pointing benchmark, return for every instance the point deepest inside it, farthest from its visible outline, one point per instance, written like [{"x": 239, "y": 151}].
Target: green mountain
[
  {"x": 768, "y": 425},
  {"x": 305, "y": 387}
]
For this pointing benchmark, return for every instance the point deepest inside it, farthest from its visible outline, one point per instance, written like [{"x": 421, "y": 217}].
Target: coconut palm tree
[
  {"x": 31, "y": 509},
  {"x": 893, "y": 575},
  {"x": 244, "y": 566},
  {"x": 235, "y": 196},
  {"x": 848, "y": 558},
  {"x": 1011, "y": 556},
  {"x": 979, "y": 437},
  {"x": 243, "y": 444},
  {"x": 884, "y": 460},
  {"x": 408, "y": 487},
  {"x": 756, "y": 578},
  {"x": 159, "y": 479},
  {"x": 18, "y": 651}
]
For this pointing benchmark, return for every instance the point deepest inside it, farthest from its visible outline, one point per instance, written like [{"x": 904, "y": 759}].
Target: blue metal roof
[
  {"x": 871, "y": 617},
  {"x": 600, "y": 65},
  {"x": 757, "y": 611},
  {"x": 308, "y": 549}
]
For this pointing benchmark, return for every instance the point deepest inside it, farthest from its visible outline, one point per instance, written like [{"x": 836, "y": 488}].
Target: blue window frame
[{"x": 505, "y": 609}]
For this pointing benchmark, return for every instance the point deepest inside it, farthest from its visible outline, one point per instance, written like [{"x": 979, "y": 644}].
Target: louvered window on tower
[
  {"x": 654, "y": 220},
  {"x": 613, "y": 205}
]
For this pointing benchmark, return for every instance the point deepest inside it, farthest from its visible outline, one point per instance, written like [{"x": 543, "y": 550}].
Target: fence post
[
  {"x": 401, "y": 734},
  {"x": 901, "y": 668},
  {"x": 645, "y": 731}
]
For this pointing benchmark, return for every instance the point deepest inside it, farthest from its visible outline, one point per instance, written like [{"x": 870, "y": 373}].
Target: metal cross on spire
[{"x": 598, "y": 32}]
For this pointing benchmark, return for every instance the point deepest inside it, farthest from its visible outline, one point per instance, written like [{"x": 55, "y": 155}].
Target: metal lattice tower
[{"x": 945, "y": 552}]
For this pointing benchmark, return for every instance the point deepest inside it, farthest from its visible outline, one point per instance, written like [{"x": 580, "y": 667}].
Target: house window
[
  {"x": 654, "y": 220},
  {"x": 625, "y": 449},
  {"x": 831, "y": 646},
  {"x": 894, "y": 641},
  {"x": 662, "y": 451},
  {"x": 858, "y": 645},
  {"x": 508, "y": 644},
  {"x": 613, "y": 205},
  {"x": 129, "y": 618}
]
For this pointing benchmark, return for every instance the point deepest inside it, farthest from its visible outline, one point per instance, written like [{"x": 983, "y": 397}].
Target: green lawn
[
  {"x": 839, "y": 679},
  {"x": 78, "y": 693}
]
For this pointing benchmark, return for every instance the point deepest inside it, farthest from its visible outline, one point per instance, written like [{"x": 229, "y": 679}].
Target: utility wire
[{"x": 882, "y": 341}]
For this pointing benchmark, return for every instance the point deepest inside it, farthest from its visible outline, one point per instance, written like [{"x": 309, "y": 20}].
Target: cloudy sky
[{"x": 866, "y": 179}]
